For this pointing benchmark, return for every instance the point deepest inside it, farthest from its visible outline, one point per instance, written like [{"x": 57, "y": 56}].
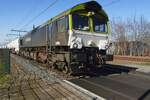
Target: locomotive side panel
[
  {"x": 26, "y": 40},
  {"x": 38, "y": 37},
  {"x": 58, "y": 32}
]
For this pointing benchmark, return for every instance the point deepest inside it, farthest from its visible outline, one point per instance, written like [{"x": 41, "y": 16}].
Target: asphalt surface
[
  {"x": 117, "y": 83},
  {"x": 139, "y": 67}
]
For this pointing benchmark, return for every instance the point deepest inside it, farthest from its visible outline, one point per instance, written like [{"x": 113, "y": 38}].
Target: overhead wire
[
  {"x": 43, "y": 11},
  {"x": 34, "y": 18},
  {"x": 29, "y": 12},
  {"x": 112, "y": 2}
]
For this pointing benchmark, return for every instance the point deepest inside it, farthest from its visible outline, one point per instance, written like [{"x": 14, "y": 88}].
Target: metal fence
[{"x": 4, "y": 61}]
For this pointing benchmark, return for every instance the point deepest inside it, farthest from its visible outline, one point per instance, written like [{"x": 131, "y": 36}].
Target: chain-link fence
[{"x": 4, "y": 61}]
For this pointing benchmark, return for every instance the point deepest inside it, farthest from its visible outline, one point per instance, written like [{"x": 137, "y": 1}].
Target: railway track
[{"x": 32, "y": 84}]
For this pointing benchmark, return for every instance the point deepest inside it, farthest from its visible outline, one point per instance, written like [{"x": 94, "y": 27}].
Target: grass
[
  {"x": 1, "y": 63},
  {"x": 4, "y": 79}
]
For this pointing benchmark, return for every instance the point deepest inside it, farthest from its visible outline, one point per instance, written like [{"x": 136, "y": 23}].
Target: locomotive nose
[
  {"x": 76, "y": 42},
  {"x": 91, "y": 43}
]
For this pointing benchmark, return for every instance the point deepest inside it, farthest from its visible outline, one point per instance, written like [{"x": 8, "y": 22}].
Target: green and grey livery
[{"x": 76, "y": 38}]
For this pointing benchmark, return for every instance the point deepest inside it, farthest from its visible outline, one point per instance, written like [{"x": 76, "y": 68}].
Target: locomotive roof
[{"x": 89, "y": 6}]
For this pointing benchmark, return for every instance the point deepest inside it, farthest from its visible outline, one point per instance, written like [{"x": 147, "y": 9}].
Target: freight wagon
[{"x": 13, "y": 46}]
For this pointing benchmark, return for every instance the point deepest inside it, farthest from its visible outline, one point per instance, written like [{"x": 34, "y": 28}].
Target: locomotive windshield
[
  {"x": 99, "y": 25},
  {"x": 80, "y": 22}
]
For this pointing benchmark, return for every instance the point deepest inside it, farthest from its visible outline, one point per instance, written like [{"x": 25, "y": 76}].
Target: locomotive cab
[{"x": 88, "y": 37}]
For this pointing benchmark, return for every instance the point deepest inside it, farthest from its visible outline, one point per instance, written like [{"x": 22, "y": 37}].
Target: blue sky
[{"x": 14, "y": 14}]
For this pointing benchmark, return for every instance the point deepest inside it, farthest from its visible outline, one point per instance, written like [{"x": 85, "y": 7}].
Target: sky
[{"x": 15, "y": 14}]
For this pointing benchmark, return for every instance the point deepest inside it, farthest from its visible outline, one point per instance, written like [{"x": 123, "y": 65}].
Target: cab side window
[{"x": 62, "y": 24}]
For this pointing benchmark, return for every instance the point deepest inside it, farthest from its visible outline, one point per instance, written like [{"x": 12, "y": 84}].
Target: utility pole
[
  {"x": 19, "y": 31},
  {"x": 13, "y": 35}
]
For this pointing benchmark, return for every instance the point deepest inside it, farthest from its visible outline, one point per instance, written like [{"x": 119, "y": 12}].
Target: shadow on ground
[{"x": 105, "y": 70}]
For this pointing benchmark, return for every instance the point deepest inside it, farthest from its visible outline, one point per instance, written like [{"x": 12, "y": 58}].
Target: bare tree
[
  {"x": 119, "y": 35},
  {"x": 132, "y": 36}
]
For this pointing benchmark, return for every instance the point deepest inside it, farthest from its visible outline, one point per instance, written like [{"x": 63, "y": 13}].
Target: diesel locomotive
[{"x": 74, "y": 39}]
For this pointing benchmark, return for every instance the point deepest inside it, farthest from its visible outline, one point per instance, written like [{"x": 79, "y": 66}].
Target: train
[
  {"x": 13, "y": 46},
  {"x": 75, "y": 39}
]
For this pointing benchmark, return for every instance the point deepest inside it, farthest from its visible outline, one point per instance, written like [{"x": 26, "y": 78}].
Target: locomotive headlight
[
  {"x": 91, "y": 13},
  {"x": 91, "y": 43}
]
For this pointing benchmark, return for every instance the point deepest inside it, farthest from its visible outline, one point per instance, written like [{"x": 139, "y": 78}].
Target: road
[{"x": 117, "y": 82}]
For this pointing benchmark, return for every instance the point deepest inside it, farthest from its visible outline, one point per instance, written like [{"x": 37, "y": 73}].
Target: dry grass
[{"x": 4, "y": 80}]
